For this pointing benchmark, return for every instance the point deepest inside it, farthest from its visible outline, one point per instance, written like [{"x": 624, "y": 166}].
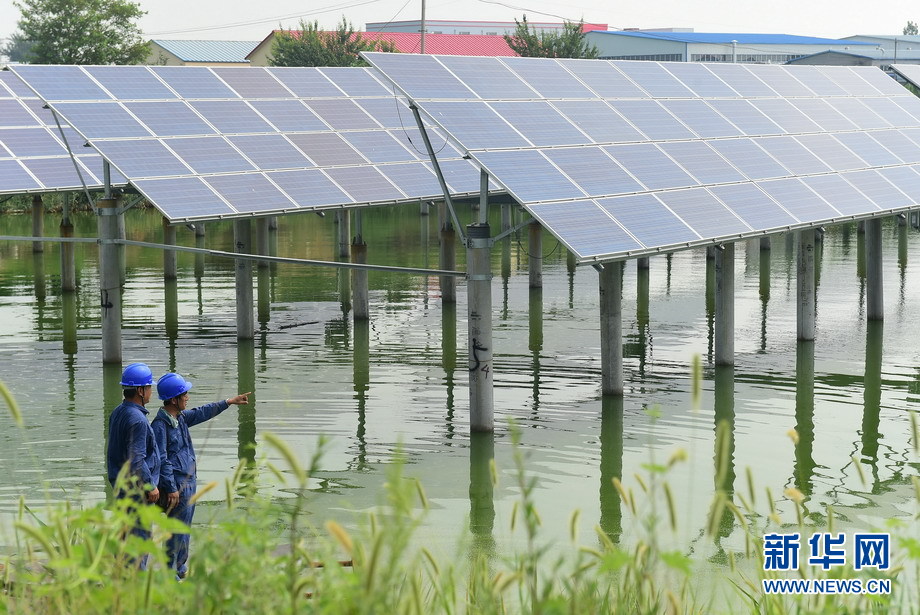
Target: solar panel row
[
  {"x": 615, "y": 157},
  {"x": 33, "y": 157}
]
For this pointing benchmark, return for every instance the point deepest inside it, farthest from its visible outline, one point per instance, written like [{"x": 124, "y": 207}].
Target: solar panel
[
  {"x": 238, "y": 138},
  {"x": 726, "y": 150}
]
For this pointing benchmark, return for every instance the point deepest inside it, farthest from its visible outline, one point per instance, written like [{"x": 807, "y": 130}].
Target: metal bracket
[
  {"x": 504, "y": 234},
  {"x": 479, "y": 277}
]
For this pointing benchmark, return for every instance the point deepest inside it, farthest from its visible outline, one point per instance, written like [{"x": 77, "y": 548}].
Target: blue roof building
[
  {"x": 676, "y": 46},
  {"x": 199, "y": 53}
]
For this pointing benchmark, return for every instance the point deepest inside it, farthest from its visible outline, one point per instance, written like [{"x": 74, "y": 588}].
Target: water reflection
[
  {"x": 38, "y": 277},
  {"x": 263, "y": 299},
  {"x": 482, "y": 502},
  {"x": 765, "y": 261},
  {"x": 872, "y": 397},
  {"x": 804, "y": 467},
  {"x": 535, "y": 340},
  {"x": 246, "y": 381},
  {"x": 724, "y": 384},
  {"x": 902, "y": 262},
  {"x": 710, "y": 305},
  {"x": 361, "y": 369},
  {"x": 642, "y": 316},
  {"x": 611, "y": 518},
  {"x": 449, "y": 358},
  {"x": 171, "y": 306},
  {"x": 69, "y": 322}
]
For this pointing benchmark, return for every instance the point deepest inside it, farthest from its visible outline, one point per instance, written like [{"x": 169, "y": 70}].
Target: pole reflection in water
[
  {"x": 710, "y": 306},
  {"x": 263, "y": 300},
  {"x": 611, "y": 521},
  {"x": 902, "y": 261},
  {"x": 872, "y": 397},
  {"x": 764, "y": 295},
  {"x": 506, "y": 275},
  {"x": 482, "y": 503},
  {"x": 449, "y": 358},
  {"x": 667, "y": 273},
  {"x": 171, "y": 306},
  {"x": 246, "y": 381},
  {"x": 724, "y": 384},
  {"x": 804, "y": 416},
  {"x": 273, "y": 245},
  {"x": 642, "y": 317},
  {"x": 344, "y": 280},
  {"x": 111, "y": 397},
  {"x": 362, "y": 376},
  {"x": 69, "y": 322},
  {"x": 38, "y": 277},
  {"x": 861, "y": 255},
  {"x": 535, "y": 340},
  {"x": 570, "y": 268}
]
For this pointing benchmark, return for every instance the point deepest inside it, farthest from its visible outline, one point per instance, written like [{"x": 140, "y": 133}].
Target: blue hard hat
[
  {"x": 136, "y": 375},
  {"x": 172, "y": 385}
]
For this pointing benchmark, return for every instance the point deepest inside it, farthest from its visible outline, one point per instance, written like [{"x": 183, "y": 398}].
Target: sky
[{"x": 223, "y": 20}]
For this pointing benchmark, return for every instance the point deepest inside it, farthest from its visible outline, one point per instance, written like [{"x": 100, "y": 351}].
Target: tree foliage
[
  {"x": 911, "y": 28},
  {"x": 570, "y": 43},
  {"x": 312, "y": 46},
  {"x": 82, "y": 31},
  {"x": 17, "y": 49}
]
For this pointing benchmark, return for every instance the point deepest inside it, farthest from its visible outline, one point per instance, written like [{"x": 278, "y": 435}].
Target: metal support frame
[
  {"x": 437, "y": 169},
  {"x": 38, "y": 222},
  {"x": 479, "y": 312},
  {"x": 535, "y": 254},
  {"x": 68, "y": 261}
]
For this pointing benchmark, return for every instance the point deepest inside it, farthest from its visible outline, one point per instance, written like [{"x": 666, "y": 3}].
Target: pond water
[{"x": 400, "y": 381}]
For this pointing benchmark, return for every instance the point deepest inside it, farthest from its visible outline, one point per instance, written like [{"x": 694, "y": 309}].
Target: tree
[
  {"x": 911, "y": 28},
  {"x": 570, "y": 43},
  {"x": 17, "y": 49},
  {"x": 314, "y": 47},
  {"x": 82, "y": 31}
]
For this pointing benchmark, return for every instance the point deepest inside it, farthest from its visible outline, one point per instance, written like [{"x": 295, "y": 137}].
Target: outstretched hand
[{"x": 240, "y": 400}]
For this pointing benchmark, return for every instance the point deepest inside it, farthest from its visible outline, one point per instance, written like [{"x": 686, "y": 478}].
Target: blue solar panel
[
  {"x": 702, "y": 162},
  {"x": 16, "y": 86},
  {"x": 101, "y": 120},
  {"x": 652, "y": 119},
  {"x": 59, "y": 172},
  {"x": 832, "y": 152},
  {"x": 288, "y": 115},
  {"x": 746, "y": 117},
  {"x": 703, "y": 82},
  {"x": 783, "y": 114},
  {"x": 893, "y": 113},
  {"x": 906, "y": 179},
  {"x": 798, "y": 199},
  {"x": 15, "y": 113},
  {"x": 587, "y": 230},
  {"x": 130, "y": 82},
  {"x": 869, "y": 149},
  {"x": 231, "y": 116},
  {"x": 306, "y": 82},
  {"x": 421, "y": 76},
  {"x": 342, "y": 114},
  {"x": 882, "y": 192},
  {"x": 365, "y": 184},
  {"x": 593, "y": 170},
  {"x": 781, "y": 80},
  {"x": 648, "y": 220},
  {"x": 741, "y": 79},
  {"x": 651, "y": 166},
  {"x": 911, "y": 104},
  {"x": 143, "y": 158},
  {"x": 389, "y": 112},
  {"x": 528, "y": 175},
  {"x": 822, "y": 114},
  {"x": 849, "y": 79},
  {"x": 605, "y": 79},
  {"x": 489, "y": 78},
  {"x": 655, "y": 79},
  {"x": 702, "y": 212},
  {"x": 413, "y": 178},
  {"x": 310, "y": 188},
  {"x": 749, "y": 158},
  {"x": 858, "y": 113},
  {"x": 475, "y": 125},
  {"x": 701, "y": 118},
  {"x": 898, "y": 144},
  {"x": 169, "y": 118},
  {"x": 841, "y": 194},
  {"x": 596, "y": 119},
  {"x": 326, "y": 149},
  {"x": 183, "y": 197},
  {"x": 14, "y": 175},
  {"x": 193, "y": 82},
  {"x": 819, "y": 82},
  {"x": 793, "y": 155},
  {"x": 549, "y": 79},
  {"x": 880, "y": 81},
  {"x": 209, "y": 154},
  {"x": 462, "y": 176},
  {"x": 356, "y": 82},
  {"x": 250, "y": 192},
  {"x": 378, "y": 146},
  {"x": 753, "y": 206},
  {"x": 31, "y": 142},
  {"x": 60, "y": 82},
  {"x": 270, "y": 152},
  {"x": 252, "y": 82},
  {"x": 540, "y": 123}
]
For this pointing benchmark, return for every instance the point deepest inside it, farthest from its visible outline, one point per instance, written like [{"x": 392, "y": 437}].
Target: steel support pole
[
  {"x": 245, "y": 322},
  {"x": 169, "y": 256},
  {"x": 38, "y": 222},
  {"x": 262, "y": 228},
  {"x": 875, "y": 299},
  {"x": 68, "y": 261},
  {"x": 535, "y": 250},
  {"x": 725, "y": 305},
  {"x": 805, "y": 286},
  {"x": 611, "y": 290},
  {"x": 109, "y": 279},
  {"x": 479, "y": 312},
  {"x": 344, "y": 233},
  {"x": 447, "y": 256},
  {"x": 359, "y": 292}
]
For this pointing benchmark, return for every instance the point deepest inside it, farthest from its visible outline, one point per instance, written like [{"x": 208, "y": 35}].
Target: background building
[
  {"x": 489, "y": 28},
  {"x": 199, "y": 53}
]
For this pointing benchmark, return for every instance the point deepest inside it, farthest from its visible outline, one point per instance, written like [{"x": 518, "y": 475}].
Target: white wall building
[{"x": 443, "y": 26}]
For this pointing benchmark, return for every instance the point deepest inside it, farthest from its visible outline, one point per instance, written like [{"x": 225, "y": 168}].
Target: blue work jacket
[
  {"x": 177, "y": 455},
  {"x": 131, "y": 439}
]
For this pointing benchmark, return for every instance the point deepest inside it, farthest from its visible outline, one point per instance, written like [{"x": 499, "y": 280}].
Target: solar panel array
[
  {"x": 910, "y": 72},
  {"x": 33, "y": 157},
  {"x": 204, "y": 143},
  {"x": 618, "y": 158}
]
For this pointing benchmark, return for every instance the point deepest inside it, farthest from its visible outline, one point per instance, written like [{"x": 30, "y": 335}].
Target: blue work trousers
[{"x": 177, "y": 545}]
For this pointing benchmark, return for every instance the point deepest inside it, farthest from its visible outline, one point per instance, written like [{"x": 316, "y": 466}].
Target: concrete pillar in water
[
  {"x": 805, "y": 286},
  {"x": 571, "y": 262},
  {"x": 423, "y": 208},
  {"x": 68, "y": 262},
  {"x": 804, "y": 416},
  {"x": 120, "y": 248},
  {"x": 169, "y": 256},
  {"x": 642, "y": 263},
  {"x": 642, "y": 315},
  {"x": 710, "y": 253},
  {"x": 245, "y": 323},
  {"x": 262, "y": 228},
  {"x": 765, "y": 243},
  {"x": 171, "y": 305},
  {"x": 725, "y": 305},
  {"x": 273, "y": 223},
  {"x": 610, "y": 285},
  {"x": 482, "y": 502},
  {"x": 38, "y": 222},
  {"x": 535, "y": 250},
  {"x": 479, "y": 308},
  {"x": 69, "y": 322},
  {"x": 875, "y": 301},
  {"x": 359, "y": 291},
  {"x": 447, "y": 260},
  {"x": 506, "y": 217},
  {"x": 109, "y": 279},
  {"x": 344, "y": 222},
  {"x": 861, "y": 227},
  {"x": 263, "y": 295}
]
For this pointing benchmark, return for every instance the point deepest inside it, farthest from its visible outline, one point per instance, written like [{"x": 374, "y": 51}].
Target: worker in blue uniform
[
  {"x": 178, "y": 472},
  {"x": 132, "y": 446}
]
